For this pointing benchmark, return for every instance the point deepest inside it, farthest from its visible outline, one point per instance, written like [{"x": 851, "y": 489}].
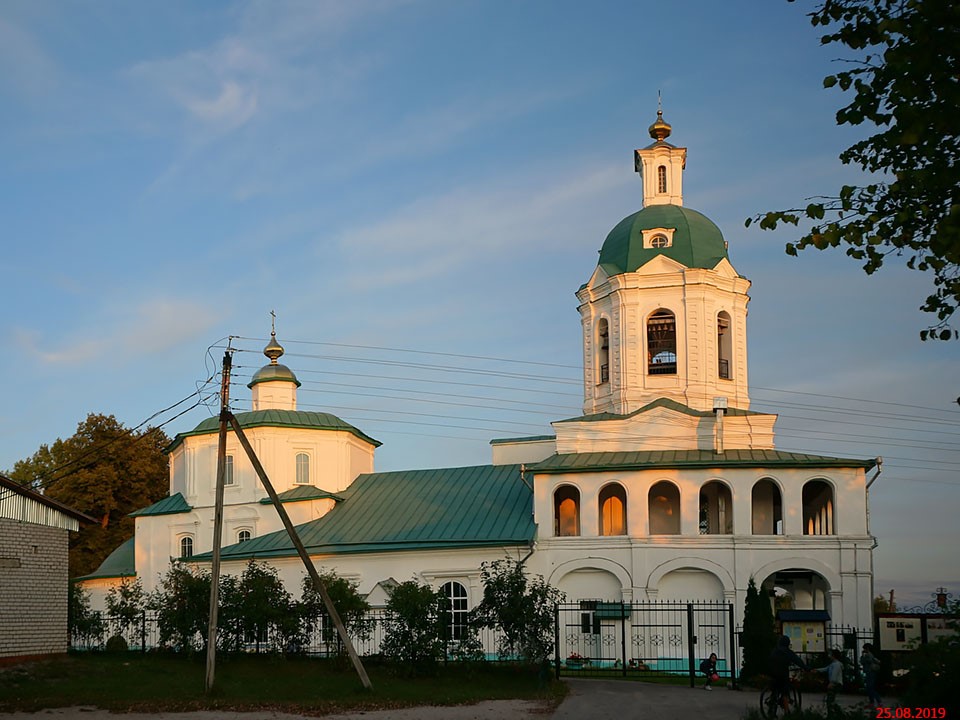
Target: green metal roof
[
  {"x": 642, "y": 460},
  {"x": 119, "y": 563},
  {"x": 658, "y": 403},
  {"x": 274, "y": 372},
  {"x": 168, "y": 506},
  {"x": 529, "y": 438},
  {"x": 302, "y": 492},
  {"x": 482, "y": 506},
  {"x": 278, "y": 418},
  {"x": 697, "y": 242}
]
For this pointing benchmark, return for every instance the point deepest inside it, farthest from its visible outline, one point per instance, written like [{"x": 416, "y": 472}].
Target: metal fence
[
  {"x": 644, "y": 639},
  {"x": 317, "y": 638}
]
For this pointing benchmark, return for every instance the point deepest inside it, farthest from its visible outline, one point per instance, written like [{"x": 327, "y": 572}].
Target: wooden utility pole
[
  {"x": 302, "y": 551},
  {"x": 218, "y": 521}
]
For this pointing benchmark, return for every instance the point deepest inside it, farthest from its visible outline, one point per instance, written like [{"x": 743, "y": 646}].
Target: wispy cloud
[
  {"x": 448, "y": 233},
  {"x": 24, "y": 65},
  {"x": 151, "y": 327}
]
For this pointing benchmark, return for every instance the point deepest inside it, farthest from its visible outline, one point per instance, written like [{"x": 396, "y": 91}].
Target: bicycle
[{"x": 776, "y": 704}]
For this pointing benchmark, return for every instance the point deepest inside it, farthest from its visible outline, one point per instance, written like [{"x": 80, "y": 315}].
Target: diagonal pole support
[{"x": 302, "y": 551}]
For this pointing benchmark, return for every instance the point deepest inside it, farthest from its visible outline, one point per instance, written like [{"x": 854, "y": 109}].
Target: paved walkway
[{"x": 588, "y": 699}]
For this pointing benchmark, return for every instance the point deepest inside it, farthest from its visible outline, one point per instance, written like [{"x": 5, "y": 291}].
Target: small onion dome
[
  {"x": 274, "y": 371},
  {"x": 660, "y": 130}
]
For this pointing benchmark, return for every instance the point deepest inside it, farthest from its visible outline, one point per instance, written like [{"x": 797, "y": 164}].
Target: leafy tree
[
  {"x": 266, "y": 607},
  {"x": 105, "y": 471},
  {"x": 182, "y": 605},
  {"x": 85, "y": 625},
  {"x": 416, "y": 620},
  {"x": 125, "y": 603},
  {"x": 759, "y": 637},
  {"x": 883, "y": 605},
  {"x": 904, "y": 80},
  {"x": 350, "y": 604},
  {"x": 522, "y": 608}
]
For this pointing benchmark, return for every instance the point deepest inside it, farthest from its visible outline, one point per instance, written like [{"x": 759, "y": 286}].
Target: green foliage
[
  {"x": 350, "y": 604},
  {"x": 907, "y": 90},
  {"x": 126, "y": 603},
  {"x": 182, "y": 606},
  {"x": 266, "y": 607},
  {"x": 522, "y": 608},
  {"x": 759, "y": 637},
  {"x": 105, "y": 471},
  {"x": 84, "y": 624},
  {"x": 417, "y": 616},
  {"x": 116, "y": 644},
  {"x": 932, "y": 678}
]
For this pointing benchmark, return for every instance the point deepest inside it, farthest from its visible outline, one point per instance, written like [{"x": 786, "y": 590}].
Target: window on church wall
[
  {"x": 228, "y": 470},
  {"x": 716, "y": 509},
  {"x": 613, "y": 510},
  {"x": 186, "y": 547},
  {"x": 603, "y": 351},
  {"x": 818, "y": 508},
  {"x": 303, "y": 469},
  {"x": 724, "y": 346},
  {"x": 566, "y": 512},
  {"x": 243, "y": 536},
  {"x": 766, "y": 508},
  {"x": 456, "y": 595},
  {"x": 661, "y": 178},
  {"x": 662, "y": 343},
  {"x": 663, "y": 506}
]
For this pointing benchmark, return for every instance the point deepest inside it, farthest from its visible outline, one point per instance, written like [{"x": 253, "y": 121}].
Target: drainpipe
[
  {"x": 873, "y": 546},
  {"x": 719, "y": 406}
]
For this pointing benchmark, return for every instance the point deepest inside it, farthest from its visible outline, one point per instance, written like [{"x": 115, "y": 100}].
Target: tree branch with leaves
[{"x": 906, "y": 83}]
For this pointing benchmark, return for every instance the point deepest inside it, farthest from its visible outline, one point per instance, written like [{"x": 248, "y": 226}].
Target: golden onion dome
[{"x": 660, "y": 130}]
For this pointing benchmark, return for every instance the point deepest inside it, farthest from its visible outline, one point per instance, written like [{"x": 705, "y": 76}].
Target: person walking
[
  {"x": 871, "y": 667},
  {"x": 709, "y": 668}
]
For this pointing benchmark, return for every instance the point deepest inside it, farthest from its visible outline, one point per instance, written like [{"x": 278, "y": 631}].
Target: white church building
[{"x": 668, "y": 487}]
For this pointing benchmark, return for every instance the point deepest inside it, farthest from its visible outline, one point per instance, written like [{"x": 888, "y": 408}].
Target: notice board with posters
[{"x": 807, "y": 629}]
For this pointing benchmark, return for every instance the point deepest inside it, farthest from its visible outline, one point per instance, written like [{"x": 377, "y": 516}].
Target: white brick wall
[{"x": 33, "y": 589}]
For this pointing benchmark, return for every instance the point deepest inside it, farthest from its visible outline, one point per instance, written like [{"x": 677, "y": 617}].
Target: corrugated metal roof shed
[{"x": 20, "y": 503}]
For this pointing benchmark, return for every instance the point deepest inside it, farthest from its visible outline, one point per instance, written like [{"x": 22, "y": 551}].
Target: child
[
  {"x": 709, "y": 668},
  {"x": 834, "y": 671}
]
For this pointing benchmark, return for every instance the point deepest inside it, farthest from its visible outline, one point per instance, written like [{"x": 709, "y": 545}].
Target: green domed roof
[
  {"x": 271, "y": 372},
  {"x": 697, "y": 242}
]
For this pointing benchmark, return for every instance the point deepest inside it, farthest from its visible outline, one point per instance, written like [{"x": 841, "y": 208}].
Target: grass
[{"x": 154, "y": 683}]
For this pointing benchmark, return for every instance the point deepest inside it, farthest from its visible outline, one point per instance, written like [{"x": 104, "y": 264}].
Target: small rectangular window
[{"x": 228, "y": 470}]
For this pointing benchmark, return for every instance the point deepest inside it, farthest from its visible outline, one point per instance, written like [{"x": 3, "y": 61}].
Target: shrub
[
  {"x": 85, "y": 625},
  {"x": 522, "y": 608},
  {"x": 414, "y": 628},
  {"x": 125, "y": 603},
  {"x": 351, "y": 606},
  {"x": 182, "y": 605},
  {"x": 759, "y": 637},
  {"x": 117, "y": 644}
]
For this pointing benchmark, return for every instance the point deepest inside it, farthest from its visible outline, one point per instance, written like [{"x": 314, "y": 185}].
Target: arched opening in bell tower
[
  {"x": 818, "y": 510},
  {"x": 724, "y": 346},
  {"x": 662, "y": 343},
  {"x": 603, "y": 351},
  {"x": 661, "y": 178}
]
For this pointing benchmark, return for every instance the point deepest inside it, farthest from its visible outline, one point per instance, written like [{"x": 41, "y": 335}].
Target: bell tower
[{"x": 664, "y": 313}]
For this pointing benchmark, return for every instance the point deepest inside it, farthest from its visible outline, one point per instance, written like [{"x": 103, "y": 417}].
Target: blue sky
[{"x": 435, "y": 177}]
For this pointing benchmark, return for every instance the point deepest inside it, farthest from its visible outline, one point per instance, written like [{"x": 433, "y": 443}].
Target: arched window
[
  {"x": 716, "y": 509},
  {"x": 724, "y": 346},
  {"x": 663, "y": 503},
  {"x": 456, "y": 595},
  {"x": 243, "y": 536},
  {"x": 566, "y": 511},
  {"x": 661, "y": 178},
  {"x": 228, "y": 470},
  {"x": 303, "y": 469},
  {"x": 603, "y": 351},
  {"x": 766, "y": 508},
  {"x": 613, "y": 510},
  {"x": 662, "y": 343},
  {"x": 659, "y": 241},
  {"x": 186, "y": 546},
  {"x": 818, "y": 508}
]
